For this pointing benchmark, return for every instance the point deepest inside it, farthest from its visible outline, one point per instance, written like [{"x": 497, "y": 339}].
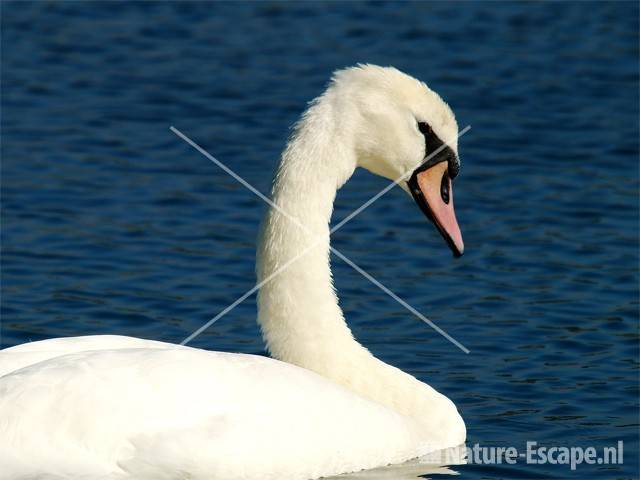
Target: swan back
[{"x": 178, "y": 409}]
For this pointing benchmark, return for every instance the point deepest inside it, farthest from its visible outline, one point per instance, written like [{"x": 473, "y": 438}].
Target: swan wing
[
  {"x": 14, "y": 358},
  {"x": 139, "y": 409}
]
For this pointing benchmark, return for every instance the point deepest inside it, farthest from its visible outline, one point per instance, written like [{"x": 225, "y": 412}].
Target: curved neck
[{"x": 298, "y": 309}]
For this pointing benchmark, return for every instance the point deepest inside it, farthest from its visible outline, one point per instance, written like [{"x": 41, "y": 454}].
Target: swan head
[{"x": 404, "y": 131}]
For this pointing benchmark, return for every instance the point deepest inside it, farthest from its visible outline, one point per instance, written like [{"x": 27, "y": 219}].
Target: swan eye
[{"x": 425, "y": 128}]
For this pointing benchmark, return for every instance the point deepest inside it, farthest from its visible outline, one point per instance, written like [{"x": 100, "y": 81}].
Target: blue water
[{"x": 112, "y": 224}]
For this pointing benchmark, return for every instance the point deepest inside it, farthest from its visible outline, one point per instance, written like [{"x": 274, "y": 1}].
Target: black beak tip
[{"x": 454, "y": 250}]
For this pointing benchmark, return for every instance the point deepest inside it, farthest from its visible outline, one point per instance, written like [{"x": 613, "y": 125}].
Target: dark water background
[{"x": 111, "y": 224}]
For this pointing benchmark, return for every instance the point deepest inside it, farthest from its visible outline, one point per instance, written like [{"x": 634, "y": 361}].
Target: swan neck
[{"x": 298, "y": 309}]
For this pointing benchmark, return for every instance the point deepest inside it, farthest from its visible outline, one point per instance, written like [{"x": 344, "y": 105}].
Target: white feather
[{"x": 121, "y": 408}]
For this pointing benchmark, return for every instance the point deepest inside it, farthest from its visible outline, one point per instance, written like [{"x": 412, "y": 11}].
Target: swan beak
[{"x": 432, "y": 190}]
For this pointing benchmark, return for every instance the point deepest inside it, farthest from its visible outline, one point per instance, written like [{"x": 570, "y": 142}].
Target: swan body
[
  {"x": 158, "y": 409},
  {"x": 120, "y": 408}
]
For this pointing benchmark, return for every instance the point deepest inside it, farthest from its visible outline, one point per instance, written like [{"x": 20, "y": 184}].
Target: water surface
[{"x": 111, "y": 224}]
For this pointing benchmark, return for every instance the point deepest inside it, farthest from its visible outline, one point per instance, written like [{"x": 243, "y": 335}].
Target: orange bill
[{"x": 432, "y": 190}]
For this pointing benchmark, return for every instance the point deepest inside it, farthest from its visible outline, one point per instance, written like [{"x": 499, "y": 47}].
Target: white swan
[{"x": 119, "y": 407}]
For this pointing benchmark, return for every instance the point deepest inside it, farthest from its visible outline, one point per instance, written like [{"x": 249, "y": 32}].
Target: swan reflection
[{"x": 434, "y": 463}]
